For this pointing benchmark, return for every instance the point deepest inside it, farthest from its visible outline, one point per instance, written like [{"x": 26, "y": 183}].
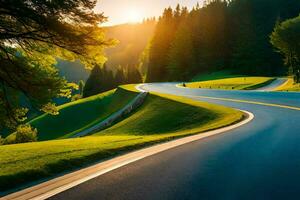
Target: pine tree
[
  {"x": 120, "y": 77},
  {"x": 181, "y": 57},
  {"x": 160, "y": 46},
  {"x": 134, "y": 75},
  {"x": 93, "y": 84}
]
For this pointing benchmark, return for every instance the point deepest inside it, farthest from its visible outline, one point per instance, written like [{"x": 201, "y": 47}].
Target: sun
[{"x": 133, "y": 16}]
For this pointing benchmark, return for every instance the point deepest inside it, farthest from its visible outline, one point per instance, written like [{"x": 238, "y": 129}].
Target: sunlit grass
[
  {"x": 161, "y": 118},
  {"x": 238, "y": 83},
  {"x": 216, "y": 75},
  {"x": 82, "y": 114}
]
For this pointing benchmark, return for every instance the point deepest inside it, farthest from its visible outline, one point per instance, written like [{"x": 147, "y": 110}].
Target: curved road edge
[{"x": 63, "y": 183}]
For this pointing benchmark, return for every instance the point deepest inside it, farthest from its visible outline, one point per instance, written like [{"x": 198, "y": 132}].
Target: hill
[{"x": 178, "y": 117}]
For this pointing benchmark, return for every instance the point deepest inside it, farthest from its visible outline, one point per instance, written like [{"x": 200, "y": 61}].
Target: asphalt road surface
[{"x": 260, "y": 160}]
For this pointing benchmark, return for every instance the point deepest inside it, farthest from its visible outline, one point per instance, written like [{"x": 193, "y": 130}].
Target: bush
[
  {"x": 76, "y": 97},
  {"x": 25, "y": 133}
]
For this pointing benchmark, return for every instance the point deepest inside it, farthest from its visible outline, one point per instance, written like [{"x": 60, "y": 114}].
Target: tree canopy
[
  {"x": 33, "y": 34},
  {"x": 286, "y": 38}
]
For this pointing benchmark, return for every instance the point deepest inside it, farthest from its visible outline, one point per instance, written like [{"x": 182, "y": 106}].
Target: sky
[{"x": 132, "y": 11}]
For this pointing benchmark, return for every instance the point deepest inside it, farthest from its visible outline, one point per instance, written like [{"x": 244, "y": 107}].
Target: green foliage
[
  {"x": 76, "y": 97},
  {"x": 102, "y": 79},
  {"x": 221, "y": 35},
  {"x": 181, "y": 56},
  {"x": 285, "y": 38},
  {"x": 25, "y": 133},
  {"x": 120, "y": 78},
  {"x": 93, "y": 85},
  {"x": 133, "y": 75},
  {"x": 160, "y": 45},
  {"x": 33, "y": 35}
]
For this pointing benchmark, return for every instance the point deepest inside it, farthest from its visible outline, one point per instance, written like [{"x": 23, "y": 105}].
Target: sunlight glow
[{"x": 133, "y": 15}]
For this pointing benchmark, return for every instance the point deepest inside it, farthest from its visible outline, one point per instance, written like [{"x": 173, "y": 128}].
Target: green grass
[
  {"x": 238, "y": 83},
  {"x": 289, "y": 86},
  {"x": 216, "y": 75},
  {"x": 160, "y": 118},
  {"x": 165, "y": 114},
  {"x": 79, "y": 115}
]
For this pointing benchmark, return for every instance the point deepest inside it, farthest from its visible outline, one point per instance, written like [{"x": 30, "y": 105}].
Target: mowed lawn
[
  {"x": 160, "y": 118},
  {"x": 82, "y": 114},
  {"x": 237, "y": 83}
]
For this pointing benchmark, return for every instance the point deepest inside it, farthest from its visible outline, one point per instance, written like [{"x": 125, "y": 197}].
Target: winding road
[{"x": 260, "y": 160}]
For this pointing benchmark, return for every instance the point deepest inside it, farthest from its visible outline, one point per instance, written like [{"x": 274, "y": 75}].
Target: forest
[{"x": 232, "y": 35}]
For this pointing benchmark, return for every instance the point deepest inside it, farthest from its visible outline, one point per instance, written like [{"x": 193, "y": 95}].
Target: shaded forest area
[{"x": 220, "y": 35}]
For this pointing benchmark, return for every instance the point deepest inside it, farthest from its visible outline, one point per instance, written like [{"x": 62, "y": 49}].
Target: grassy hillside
[
  {"x": 238, "y": 83},
  {"x": 81, "y": 114},
  {"x": 177, "y": 115},
  {"x": 161, "y": 118},
  {"x": 216, "y": 75}
]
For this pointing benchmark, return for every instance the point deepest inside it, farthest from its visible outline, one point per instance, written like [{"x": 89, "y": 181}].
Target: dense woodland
[{"x": 220, "y": 35}]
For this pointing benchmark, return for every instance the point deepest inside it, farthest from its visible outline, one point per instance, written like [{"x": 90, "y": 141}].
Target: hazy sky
[{"x": 124, "y": 11}]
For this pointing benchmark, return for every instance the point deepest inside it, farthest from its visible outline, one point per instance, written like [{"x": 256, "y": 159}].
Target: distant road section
[{"x": 275, "y": 84}]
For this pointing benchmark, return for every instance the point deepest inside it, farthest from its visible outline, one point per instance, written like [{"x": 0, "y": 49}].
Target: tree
[
  {"x": 33, "y": 33},
  {"x": 134, "y": 75},
  {"x": 160, "y": 46},
  {"x": 181, "y": 55},
  {"x": 100, "y": 80},
  {"x": 108, "y": 81},
  {"x": 93, "y": 83},
  {"x": 120, "y": 77},
  {"x": 285, "y": 38}
]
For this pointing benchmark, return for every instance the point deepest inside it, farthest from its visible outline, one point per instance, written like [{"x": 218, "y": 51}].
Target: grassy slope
[
  {"x": 290, "y": 86},
  {"x": 216, "y": 75},
  {"x": 82, "y": 114},
  {"x": 238, "y": 83},
  {"x": 177, "y": 115},
  {"x": 161, "y": 118}
]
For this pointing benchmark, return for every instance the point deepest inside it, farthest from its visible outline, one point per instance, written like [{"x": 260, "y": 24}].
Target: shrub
[
  {"x": 76, "y": 97},
  {"x": 25, "y": 133}
]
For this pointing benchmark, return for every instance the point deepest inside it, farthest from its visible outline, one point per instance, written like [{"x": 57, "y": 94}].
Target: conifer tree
[{"x": 94, "y": 83}]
